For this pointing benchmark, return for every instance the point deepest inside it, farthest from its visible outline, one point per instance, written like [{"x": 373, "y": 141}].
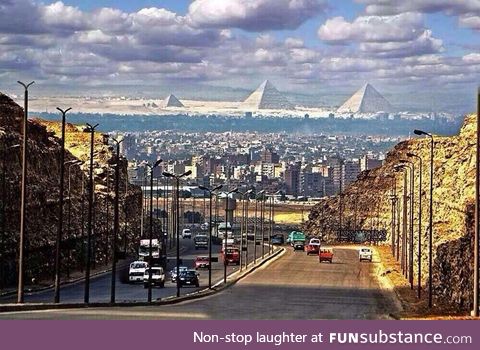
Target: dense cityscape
[{"x": 295, "y": 166}]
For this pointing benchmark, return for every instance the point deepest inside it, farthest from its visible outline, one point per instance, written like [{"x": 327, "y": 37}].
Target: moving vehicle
[
  {"x": 189, "y": 278},
  {"x": 277, "y": 239},
  {"x": 158, "y": 277},
  {"x": 313, "y": 246},
  {"x": 202, "y": 262},
  {"x": 173, "y": 273},
  {"x": 201, "y": 242},
  {"x": 187, "y": 233},
  {"x": 136, "y": 271},
  {"x": 231, "y": 256},
  {"x": 325, "y": 254},
  {"x": 144, "y": 250},
  {"x": 296, "y": 236},
  {"x": 365, "y": 254}
]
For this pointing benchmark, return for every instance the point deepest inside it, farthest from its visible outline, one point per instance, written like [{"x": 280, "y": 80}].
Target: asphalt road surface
[
  {"x": 100, "y": 285},
  {"x": 295, "y": 286}
]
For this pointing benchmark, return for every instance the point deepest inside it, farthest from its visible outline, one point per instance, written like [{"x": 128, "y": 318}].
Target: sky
[{"x": 419, "y": 52}]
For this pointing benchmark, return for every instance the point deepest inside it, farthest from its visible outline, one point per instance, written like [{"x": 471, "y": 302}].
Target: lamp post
[
  {"x": 244, "y": 224},
  {"x": 411, "y": 166},
  {"x": 23, "y": 207},
  {"x": 151, "y": 167},
  {"x": 210, "y": 194},
  {"x": 430, "y": 220},
  {"x": 419, "y": 260},
  {"x": 255, "y": 227},
  {"x": 90, "y": 129},
  {"x": 225, "y": 234},
  {"x": 393, "y": 198},
  {"x": 69, "y": 208},
  {"x": 402, "y": 167},
  {"x": 116, "y": 219},
  {"x": 177, "y": 224},
  {"x": 58, "y": 242}
]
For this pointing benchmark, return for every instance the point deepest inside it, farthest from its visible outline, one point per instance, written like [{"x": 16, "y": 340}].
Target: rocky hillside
[
  {"x": 43, "y": 196},
  {"x": 453, "y": 209}
]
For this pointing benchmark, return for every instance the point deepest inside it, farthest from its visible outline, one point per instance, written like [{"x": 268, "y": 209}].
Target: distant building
[
  {"x": 312, "y": 184},
  {"x": 367, "y": 163},
  {"x": 292, "y": 179},
  {"x": 351, "y": 169},
  {"x": 269, "y": 156}
]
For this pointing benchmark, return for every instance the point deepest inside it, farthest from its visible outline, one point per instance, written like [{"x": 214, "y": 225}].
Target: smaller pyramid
[
  {"x": 172, "y": 101},
  {"x": 266, "y": 96},
  {"x": 366, "y": 100}
]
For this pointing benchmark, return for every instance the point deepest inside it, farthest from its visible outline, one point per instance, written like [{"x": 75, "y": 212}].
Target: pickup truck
[
  {"x": 313, "y": 246},
  {"x": 325, "y": 254}
]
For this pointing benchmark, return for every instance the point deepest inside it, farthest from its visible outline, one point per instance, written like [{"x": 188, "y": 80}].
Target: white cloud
[{"x": 253, "y": 15}]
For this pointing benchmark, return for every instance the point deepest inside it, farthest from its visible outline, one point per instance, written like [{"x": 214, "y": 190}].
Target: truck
[
  {"x": 297, "y": 240},
  {"x": 144, "y": 251}
]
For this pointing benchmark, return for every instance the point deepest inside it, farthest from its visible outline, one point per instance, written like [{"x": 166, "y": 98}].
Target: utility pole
[{"x": 23, "y": 208}]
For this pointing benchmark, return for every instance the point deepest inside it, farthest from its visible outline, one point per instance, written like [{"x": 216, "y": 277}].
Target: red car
[
  {"x": 325, "y": 254},
  {"x": 313, "y": 246},
  {"x": 232, "y": 256},
  {"x": 202, "y": 262}
]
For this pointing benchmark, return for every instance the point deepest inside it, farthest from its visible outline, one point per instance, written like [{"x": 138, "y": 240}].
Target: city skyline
[{"x": 206, "y": 49}]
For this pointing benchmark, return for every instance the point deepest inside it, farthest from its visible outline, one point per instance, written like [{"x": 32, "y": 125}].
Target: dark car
[
  {"x": 277, "y": 239},
  {"x": 189, "y": 278}
]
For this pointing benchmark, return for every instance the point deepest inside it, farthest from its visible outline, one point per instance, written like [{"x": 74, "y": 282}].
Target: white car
[
  {"x": 136, "y": 271},
  {"x": 365, "y": 254},
  {"x": 186, "y": 233},
  {"x": 158, "y": 277},
  {"x": 314, "y": 241}
]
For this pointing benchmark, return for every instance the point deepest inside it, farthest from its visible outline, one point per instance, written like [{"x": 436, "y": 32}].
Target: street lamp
[
  {"x": 225, "y": 234},
  {"x": 393, "y": 198},
  {"x": 430, "y": 220},
  {"x": 419, "y": 287},
  {"x": 23, "y": 207},
  {"x": 177, "y": 190},
  {"x": 90, "y": 129},
  {"x": 150, "y": 256},
  {"x": 411, "y": 166},
  {"x": 116, "y": 219},
  {"x": 255, "y": 227},
  {"x": 56, "y": 298},
  {"x": 243, "y": 224},
  {"x": 402, "y": 167},
  {"x": 210, "y": 194}
]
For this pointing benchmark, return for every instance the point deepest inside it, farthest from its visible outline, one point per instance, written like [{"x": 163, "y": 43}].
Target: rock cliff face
[
  {"x": 367, "y": 204},
  {"x": 43, "y": 196}
]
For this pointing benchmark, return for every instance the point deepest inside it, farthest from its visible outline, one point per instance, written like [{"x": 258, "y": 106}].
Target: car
[
  {"x": 313, "y": 246},
  {"x": 201, "y": 242},
  {"x": 277, "y": 239},
  {"x": 202, "y": 262},
  {"x": 187, "y": 233},
  {"x": 232, "y": 256},
  {"x": 365, "y": 254},
  {"x": 136, "y": 271},
  {"x": 325, "y": 254},
  {"x": 298, "y": 245},
  {"x": 173, "y": 273},
  {"x": 189, "y": 278},
  {"x": 204, "y": 226},
  {"x": 158, "y": 277}
]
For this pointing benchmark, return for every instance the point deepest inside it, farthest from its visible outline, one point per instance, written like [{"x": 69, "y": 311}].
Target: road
[
  {"x": 100, "y": 285},
  {"x": 294, "y": 286}
]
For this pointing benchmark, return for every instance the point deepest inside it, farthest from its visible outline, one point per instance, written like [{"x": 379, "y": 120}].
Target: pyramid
[
  {"x": 366, "y": 100},
  {"x": 267, "y": 97},
  {"x": 172, "y": 101}
]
